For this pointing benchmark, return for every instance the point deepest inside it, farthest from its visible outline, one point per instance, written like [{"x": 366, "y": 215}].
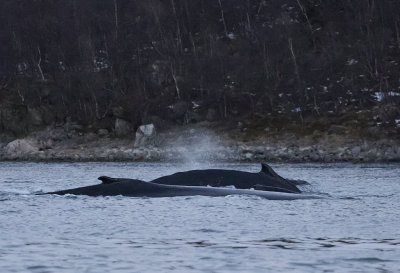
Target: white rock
[
  {"x": 20, "y": 146},
  {"x": 145, "y": 135},
  {"x": 147, "y": 130}
]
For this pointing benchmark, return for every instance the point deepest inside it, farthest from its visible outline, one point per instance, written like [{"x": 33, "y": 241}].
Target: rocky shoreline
[{"x": 193, "y": 144}]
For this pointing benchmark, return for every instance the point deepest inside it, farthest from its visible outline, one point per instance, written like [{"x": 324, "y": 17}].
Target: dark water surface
[{"x": 356, "y": 229}]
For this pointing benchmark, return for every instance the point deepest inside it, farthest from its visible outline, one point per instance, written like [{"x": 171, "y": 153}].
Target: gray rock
[
  {"x": 145, "y": 135},
  {"x": 122, "y": 127},
  {"x": 248, "y": 155},
  {"x": 20, "y": 146},
  {"x": 102, "y": 132}
]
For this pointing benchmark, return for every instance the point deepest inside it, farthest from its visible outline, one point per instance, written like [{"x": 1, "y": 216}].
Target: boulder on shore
[
  {"x": 145, "y": 135},
  {"x": 20, "y": 147}
]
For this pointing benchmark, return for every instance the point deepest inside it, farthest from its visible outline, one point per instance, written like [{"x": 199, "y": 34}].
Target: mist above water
[{"x": 197, "y": 149}]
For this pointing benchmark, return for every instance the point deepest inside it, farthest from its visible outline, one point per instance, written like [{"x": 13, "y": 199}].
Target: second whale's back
[{"x": 224, "y": 178}]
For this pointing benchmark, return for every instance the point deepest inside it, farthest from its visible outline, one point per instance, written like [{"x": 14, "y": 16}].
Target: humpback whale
[
  {"x": 267, "y": 179},
  {"x": 138, "y": 188},
  {"x": 211, "y": 182}
]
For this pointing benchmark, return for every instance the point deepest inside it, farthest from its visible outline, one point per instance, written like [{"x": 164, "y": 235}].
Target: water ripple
[{"x": 355, "y": 229}]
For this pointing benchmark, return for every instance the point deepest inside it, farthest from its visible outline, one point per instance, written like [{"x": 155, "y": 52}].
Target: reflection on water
[{"x": 354, "y": 230}]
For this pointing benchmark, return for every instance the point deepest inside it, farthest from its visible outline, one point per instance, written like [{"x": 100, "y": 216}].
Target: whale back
[
  {"x": 112, "y": 187},
  {"x": 267, "y": 179},
  {"x": 147, "y": 189}
]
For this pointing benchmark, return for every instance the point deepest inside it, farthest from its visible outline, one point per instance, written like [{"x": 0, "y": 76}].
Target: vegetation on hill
[{"x": 268, "y": 62}]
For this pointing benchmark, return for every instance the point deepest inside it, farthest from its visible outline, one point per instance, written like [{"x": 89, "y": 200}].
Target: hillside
[{"x": 251, "y": 69}]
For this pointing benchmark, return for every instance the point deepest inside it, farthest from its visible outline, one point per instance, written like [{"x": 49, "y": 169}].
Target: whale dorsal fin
[
  {"x": 266, "y": 169},
  {"x": 107, "y": 180}
]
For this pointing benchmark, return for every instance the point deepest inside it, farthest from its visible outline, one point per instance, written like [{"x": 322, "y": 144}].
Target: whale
[
  {"x": 138, "y": 188},
  {"x": 210, "y": 182},
  {"x": 266, "y": 179}
]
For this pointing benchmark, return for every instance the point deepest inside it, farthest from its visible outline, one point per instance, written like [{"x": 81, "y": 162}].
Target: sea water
[{"x": 356, "y": 228}]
